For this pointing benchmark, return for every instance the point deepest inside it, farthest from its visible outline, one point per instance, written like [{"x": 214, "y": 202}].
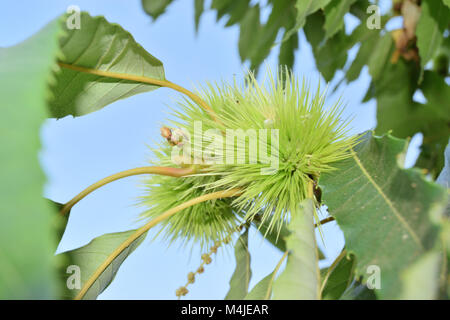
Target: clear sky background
[{"x": 78, "y": 152}]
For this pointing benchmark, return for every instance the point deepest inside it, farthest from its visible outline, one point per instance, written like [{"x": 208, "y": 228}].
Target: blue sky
[{"x": 78, "y": 152}]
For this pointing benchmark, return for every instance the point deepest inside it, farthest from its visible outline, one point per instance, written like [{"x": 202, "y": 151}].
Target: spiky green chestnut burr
[{"x": 297, "y": 139}]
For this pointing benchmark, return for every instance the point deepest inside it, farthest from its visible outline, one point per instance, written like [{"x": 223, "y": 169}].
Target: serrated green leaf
[
  {"x": 430, "y": 29},
  {"x": 301, "y": 277},
  {"x": 27, "y": 243},
  {"x": 88, "y": 258},
  {"x": 387, "y": 214},
  {"x": 103, "y": 46},
  {"x": 155, "y": 8},
  {"x": 241, "y": 277},
  {"x": 62, "y": 260},
  {"x": 334, "y": 16},
  {"x": 339, "y": 277}
]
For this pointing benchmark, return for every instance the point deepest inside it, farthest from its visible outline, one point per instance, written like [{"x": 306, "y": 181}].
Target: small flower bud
[
  {"x": 179, "y": 137},
  {"x": 166, "y": 133},
  {"x": 214, "y": 249},
  {"x": 200, "y": 270},
  {"x": 191, "y": 277},
  {"x": 181, "y": 291},
  {"x": 208, "y": 261},
  {"x": 205, "y": 256}
]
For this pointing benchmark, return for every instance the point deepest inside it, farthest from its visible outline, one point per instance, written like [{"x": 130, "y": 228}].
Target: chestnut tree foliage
[{"x": 393, "y": 219}]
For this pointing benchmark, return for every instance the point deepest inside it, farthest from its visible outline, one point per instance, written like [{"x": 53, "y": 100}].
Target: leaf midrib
[{"x": 387, "y": 200}]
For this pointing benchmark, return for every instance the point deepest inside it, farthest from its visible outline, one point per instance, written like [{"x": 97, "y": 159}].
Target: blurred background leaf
[
  {"x": 27, "y": 240},
  {"x": 396, "y": 58}
]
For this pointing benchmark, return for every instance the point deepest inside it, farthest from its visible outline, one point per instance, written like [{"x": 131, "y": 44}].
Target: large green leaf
[
  {"x": 388, "y": 214},
  {"x": 433, "y": 21},
  {"x": 87, "y": 259},
  {"x": 103, "y": 46},
  {"x": 301, "y": 278},
  {"x": 27, "y": 244},
  {"x": 241, "y": 277}
]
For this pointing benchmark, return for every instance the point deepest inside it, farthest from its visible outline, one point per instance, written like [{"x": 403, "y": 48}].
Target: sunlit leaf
[
  {"x": 27, "y": 243},
  {"x": 103, "y": 46},
  {"x": 86, "y": 260}
]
